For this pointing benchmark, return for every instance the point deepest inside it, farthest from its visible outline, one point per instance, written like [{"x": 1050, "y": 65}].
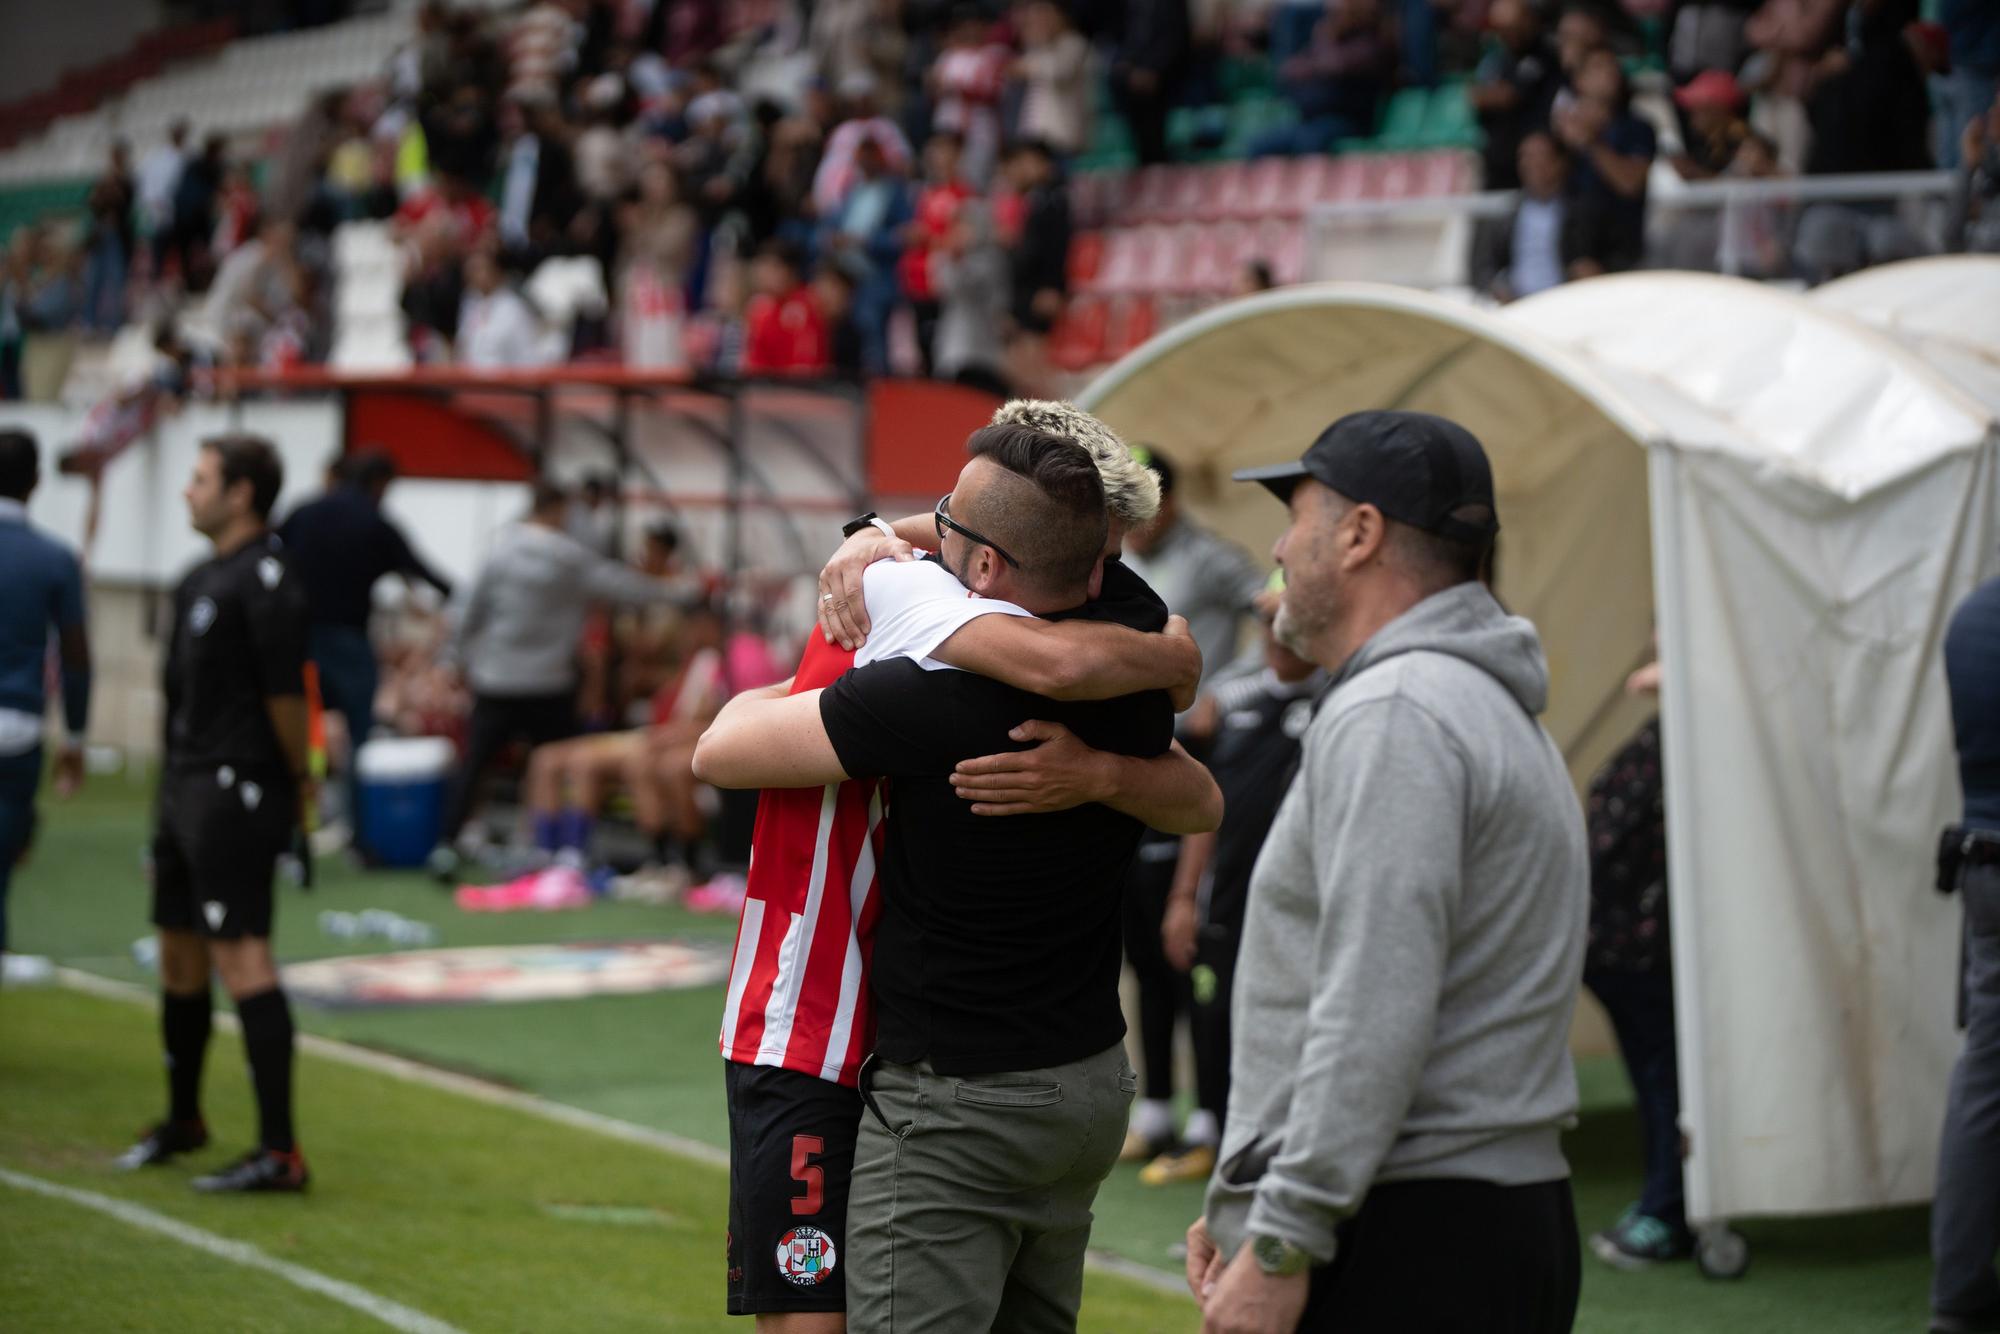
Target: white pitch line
[
  {"x": 393, "y": 1314},
  {"x": 679, "y": 1146}
]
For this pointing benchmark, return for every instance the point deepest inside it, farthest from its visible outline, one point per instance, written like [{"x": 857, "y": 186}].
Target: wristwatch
[
  {"x": 1277, "y": 1257},
  {"x": 869, "y": 520}
]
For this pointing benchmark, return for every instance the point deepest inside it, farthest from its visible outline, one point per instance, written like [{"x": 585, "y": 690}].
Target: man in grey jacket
[
  {"x": 1415, "y": 931},
  {"x": 516, "y": 642}
]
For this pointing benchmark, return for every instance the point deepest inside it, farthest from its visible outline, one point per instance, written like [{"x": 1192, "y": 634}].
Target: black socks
[
  {"x": 184, "y": 1027},
  {"x": 267, "y": 1041}
]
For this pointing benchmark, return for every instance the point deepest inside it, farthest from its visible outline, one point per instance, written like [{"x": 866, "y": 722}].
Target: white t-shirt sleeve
[{"x": 913, "y": 607}]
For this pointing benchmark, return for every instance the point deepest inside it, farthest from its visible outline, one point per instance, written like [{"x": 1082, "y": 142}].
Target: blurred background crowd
[{"x": 864, "y": 187}]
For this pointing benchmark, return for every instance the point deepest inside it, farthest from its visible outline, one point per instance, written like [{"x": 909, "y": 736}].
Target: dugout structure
[
  {"x": 1799, "y": 500},
  {"x": 763, "y": 470}
]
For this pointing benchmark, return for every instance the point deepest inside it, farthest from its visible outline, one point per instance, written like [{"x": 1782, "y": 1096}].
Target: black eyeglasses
[{"x": 944, "y": 520}]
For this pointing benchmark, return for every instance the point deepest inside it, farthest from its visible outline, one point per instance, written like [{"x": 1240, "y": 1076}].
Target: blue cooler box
[{"x": 402, "y": 781}]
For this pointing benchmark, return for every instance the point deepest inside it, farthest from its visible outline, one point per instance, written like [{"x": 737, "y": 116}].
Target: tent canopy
[
  {"x": 1803, "y": 499},
  {"x": 1946, "y": 308}
]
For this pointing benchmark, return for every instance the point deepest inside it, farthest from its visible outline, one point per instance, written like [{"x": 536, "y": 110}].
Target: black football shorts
[
  {"x": 216, "y": 850},
  {"x": 791, "y": 1161}
]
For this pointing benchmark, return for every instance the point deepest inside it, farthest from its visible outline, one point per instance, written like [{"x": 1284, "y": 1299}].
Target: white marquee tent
[{"x": 1802, "y": 500}]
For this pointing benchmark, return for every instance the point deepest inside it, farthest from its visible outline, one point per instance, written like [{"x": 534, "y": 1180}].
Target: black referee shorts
[
  {"x": 216, "y": 850},
  {"x": 791, "y": 1162}
]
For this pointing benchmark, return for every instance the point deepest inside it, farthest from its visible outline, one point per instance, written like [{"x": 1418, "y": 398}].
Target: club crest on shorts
[{"x": 805, "y": 1257}]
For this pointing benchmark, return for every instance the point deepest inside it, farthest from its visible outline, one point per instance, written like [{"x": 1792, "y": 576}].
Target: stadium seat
[
  {"x": 1222, "y": 191},
  {"x": 1118, "y": 267},
  {"x": 1281, "y": 243},
  {"x": 1346, "y": 182},
  {"x": 1146, "y": 197},
  {"x": 1077, "y": 341},
  {"x": 1399, "y": 176},
  {"x": 1187, "y": 187},
  {"x": 1086, "y": 254},
  {"x": 1263, "y": 188},
  {"x": 1449, "y": 121},
  {"x": 1404, "y": 121},
  {"x": 1131, "y": 324},
  {"x": 1448, "y": 172},
  {"x": 1304, "y": 179},
  {"x": 1163, "y": 250}
]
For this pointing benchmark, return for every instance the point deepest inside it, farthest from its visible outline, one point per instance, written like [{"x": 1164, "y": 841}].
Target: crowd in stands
[{"x": 853, "y": 187}]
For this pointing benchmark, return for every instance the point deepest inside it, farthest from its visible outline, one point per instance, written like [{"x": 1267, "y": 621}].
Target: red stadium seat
[
  {"x": 1222, "y": 190},
  {"x": 1131, "y": 324},
  {"x": 1304, "y": 179},
  {"x": 1402, "y": 177},
  {"x": 1185, "y": 190},
  {"x": 1146, "y": 196},
  {"x": 1159, "y": 256},
  {"x": 1347, "y": 181},
  {"x": 1077, "y": 341},
  {"x": 1281, "y": 243},
  {"x": 1263, "y": 186},
  {"x": 1117, "y": 270},
  {"x": 1086, "y": 256},
  {"x": 1207, "y": 268}
]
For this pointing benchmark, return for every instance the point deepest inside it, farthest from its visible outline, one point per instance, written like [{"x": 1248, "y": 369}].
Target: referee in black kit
[{"x": 232, "y": 788}]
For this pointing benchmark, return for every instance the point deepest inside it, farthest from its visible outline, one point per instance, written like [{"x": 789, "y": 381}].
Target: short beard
[
  {"x": 964, "y": 569},
  {"x": 1290, "y": 633}
]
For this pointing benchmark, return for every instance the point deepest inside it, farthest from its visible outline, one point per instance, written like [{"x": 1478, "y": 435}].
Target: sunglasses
[{"x": 942, "y": 515}]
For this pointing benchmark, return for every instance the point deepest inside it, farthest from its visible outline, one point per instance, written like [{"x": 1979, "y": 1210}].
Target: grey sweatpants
[
  {"x": 970, "y": 1208},
  {"x": 1965, "y": 1219}
]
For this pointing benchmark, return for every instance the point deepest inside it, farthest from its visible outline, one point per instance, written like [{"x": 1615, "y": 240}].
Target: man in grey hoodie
[
  {"x": 1414, "y": 937},
  {"x": 516, "y": 640}
]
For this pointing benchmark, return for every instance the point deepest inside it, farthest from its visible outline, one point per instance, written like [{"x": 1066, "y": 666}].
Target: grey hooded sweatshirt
[
  {"x": 1414, "y": 938},
  {"x": 519, "y": 624}
]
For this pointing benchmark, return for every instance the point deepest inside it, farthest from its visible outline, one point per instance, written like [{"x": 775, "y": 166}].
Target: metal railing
[{"x": 1714, "y": 225}]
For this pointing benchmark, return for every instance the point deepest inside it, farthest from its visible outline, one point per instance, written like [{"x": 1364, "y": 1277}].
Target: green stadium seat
[
  {"x": 1449, "y": 121},
  {"x": 1402, "y": 125}
]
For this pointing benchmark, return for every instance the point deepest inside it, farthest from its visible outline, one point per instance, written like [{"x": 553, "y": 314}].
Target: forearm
[
  {"x": 1070, "y": 660},
  {"x": 1197, "y": 850},
  {"x": 768, "y": 738},
  {"x": 75, "y": 648},
  {"x": 289, "y": 721},
  {"x": 1173, "y": 793},
  {"x": 919, "y": 530}
]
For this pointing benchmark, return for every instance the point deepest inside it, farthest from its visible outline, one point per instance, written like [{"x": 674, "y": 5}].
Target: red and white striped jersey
[{"x": 798, "y": 985}]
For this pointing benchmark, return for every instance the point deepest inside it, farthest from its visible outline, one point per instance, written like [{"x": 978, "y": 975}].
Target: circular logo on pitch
[{"x": 805, "y": 1257}]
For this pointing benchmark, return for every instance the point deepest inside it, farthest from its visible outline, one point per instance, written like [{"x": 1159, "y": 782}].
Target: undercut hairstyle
[
  {"x": 252, "y": 459},
  {"x": 1131, "y": 491},
  {"x": 20, "y": 464},
  {"x": 1048, "y": 512}
]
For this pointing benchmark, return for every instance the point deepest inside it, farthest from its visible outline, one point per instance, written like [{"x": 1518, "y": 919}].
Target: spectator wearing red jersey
[
  {"x": 786, "y": 334},
  {"x": 939, "y": 200}
]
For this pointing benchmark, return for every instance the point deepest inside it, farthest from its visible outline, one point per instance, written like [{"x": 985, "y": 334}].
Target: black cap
[{"x": 1414, "y": 467}]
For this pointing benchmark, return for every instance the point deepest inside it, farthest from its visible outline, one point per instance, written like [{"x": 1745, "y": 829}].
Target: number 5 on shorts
[{"x": 804, "y": 1148}]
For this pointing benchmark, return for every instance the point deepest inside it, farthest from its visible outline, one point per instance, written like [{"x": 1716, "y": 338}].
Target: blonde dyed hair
[{"x": 1131, "y": 490}]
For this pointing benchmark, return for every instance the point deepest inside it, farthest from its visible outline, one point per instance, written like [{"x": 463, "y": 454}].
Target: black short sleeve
[
  {"x": 275, "y": 615},
  {"x": 894, "y": 717}
]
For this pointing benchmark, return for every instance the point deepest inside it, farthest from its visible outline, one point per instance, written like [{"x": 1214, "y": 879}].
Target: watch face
[{"x": 1273, "y": 1256}]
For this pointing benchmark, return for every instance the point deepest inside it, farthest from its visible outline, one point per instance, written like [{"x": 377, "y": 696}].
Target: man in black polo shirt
[
  {"x": 999, "y": 1090},
  {"x": 339, "y": 545},
  {"x": 232, "y": 787}
]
